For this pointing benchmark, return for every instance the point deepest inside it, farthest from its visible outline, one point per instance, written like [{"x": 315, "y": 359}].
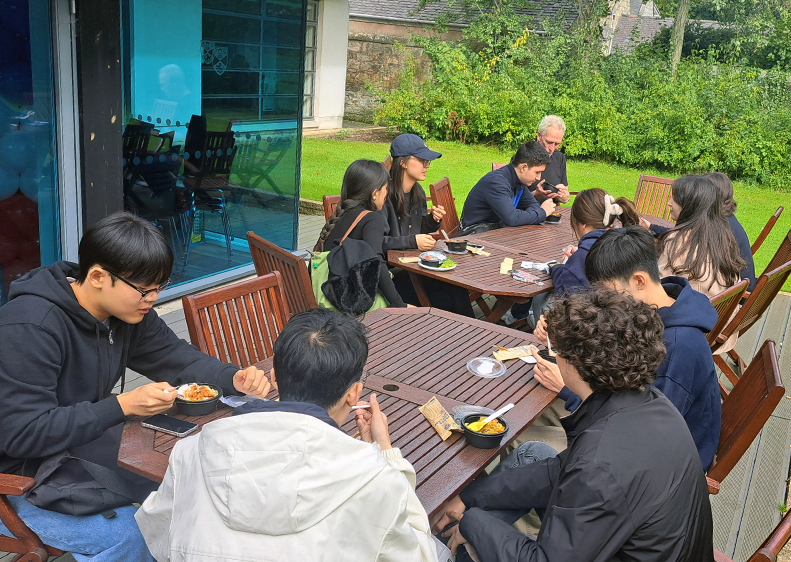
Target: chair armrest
[
  {"x": 12, "y": 485},
  {"x": 714, "y": 486}
]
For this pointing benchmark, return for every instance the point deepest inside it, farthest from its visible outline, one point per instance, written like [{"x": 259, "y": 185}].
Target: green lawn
[{"x": 324, "y": 162}]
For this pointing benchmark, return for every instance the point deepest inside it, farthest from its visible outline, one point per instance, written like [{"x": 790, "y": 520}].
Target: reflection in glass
[
  {"x": 29, "y": 228},
  {"x": 212, "y": 110}
]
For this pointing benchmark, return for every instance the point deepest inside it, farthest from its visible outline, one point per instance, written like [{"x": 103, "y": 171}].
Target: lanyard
[{"x": 518, "y": 196}]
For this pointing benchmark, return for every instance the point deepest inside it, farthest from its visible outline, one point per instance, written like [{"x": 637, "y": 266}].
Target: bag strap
[
  {"x": 109, "y": 479},
  {"x": 356, "y": 221}
]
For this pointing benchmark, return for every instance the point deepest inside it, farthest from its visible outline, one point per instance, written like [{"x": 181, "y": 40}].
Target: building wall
[
  {"x": 331, "y": 65},
  {"x": 378, "y": 52}
]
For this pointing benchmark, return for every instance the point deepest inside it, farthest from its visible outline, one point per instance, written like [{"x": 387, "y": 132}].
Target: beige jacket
[
  {"x": 281, "y": 486},
  {"x": 709, "y": 286}
]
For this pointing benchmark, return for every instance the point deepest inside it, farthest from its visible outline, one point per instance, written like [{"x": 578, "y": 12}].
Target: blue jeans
[
  {"x": 87, "y": 537},
  {"x": 526, "y": 453}
]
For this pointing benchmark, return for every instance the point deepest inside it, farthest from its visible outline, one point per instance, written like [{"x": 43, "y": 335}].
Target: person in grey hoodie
[{"x": 69, "y": 333}]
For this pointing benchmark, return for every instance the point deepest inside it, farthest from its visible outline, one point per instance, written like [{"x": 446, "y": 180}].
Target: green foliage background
[{"x": 717, "y": 113}]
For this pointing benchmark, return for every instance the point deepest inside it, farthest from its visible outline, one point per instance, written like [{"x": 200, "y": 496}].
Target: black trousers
[{"x": 442, "y": 295}]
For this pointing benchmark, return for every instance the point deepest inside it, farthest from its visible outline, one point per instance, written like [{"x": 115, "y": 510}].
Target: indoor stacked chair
[
  {"x": 745, "y": 411},
  {"x": 238, "y": 324},
  {"x": 268, "y": 258}
]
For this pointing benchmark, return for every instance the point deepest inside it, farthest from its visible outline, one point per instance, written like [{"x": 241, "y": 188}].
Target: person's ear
[
  {"x": 353, "y": 394},
  {"x": 273, "y": 378},
  {"x": 640, "y": 280},
  {"x": 96, "y": 276}
]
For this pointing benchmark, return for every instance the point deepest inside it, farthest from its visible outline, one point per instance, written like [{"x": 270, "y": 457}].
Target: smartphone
[
  {"x": 549, "y": 187},
  {"x": 169, "y": 425}
]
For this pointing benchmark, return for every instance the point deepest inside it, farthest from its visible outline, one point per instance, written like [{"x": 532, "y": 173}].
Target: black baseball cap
[{"x": 412, "y": 145}]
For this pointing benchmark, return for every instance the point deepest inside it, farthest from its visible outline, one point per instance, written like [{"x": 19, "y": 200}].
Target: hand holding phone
[{"x": 169, "y": 425}]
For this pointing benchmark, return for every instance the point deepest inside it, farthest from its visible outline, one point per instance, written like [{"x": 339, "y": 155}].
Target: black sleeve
[
  {"x": 563, "y": 174},
  {"x": 373, "y": 233},
  {"x": 33, "y": 422},
  {"x": 590, "y": 520},
  {"x": 525, "y": 487},
  {"x": 656, "y": 230},
  {"x": 392, "y": 239},
  {"x": 161, "y": 355},
  {"x": 428, "y": 224}
]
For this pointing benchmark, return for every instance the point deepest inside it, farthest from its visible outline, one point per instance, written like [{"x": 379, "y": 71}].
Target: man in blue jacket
[
  {"x": 502, "y": 197},
  {"x": 625, "y": 259},
  {"x": 69, "y": 332}
]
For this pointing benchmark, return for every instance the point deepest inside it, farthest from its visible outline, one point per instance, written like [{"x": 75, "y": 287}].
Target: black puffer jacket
[{"x": 629, "y": 487}]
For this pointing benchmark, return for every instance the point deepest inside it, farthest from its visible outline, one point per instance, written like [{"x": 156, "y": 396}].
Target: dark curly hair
[{"x": 613, "y": 340}]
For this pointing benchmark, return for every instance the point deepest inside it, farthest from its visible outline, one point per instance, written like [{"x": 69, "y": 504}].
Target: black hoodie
[{"x": 59, "y": 365}]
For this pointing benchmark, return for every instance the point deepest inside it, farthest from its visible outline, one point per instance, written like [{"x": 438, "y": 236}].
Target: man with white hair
[{"x": 550, "y": 135}]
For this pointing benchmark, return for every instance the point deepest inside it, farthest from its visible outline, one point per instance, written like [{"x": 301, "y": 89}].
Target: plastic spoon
[{"x": 477, "y": 426}]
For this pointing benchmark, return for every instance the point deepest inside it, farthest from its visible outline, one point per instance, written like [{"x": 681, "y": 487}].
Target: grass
[{"x": 324, "y": 162}]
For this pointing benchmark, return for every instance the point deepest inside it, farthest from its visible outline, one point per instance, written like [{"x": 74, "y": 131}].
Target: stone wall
[{"x": 377, "y": 54}]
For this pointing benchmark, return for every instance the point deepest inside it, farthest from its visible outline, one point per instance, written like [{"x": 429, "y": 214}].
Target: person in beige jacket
[{"x": 279, "y": 480}]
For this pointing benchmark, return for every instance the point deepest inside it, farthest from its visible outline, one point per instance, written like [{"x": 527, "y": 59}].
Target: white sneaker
[{"x": 508, "y": 318}]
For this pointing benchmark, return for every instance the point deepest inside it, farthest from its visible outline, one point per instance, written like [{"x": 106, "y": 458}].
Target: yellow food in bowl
[{"x": 492, "y": 428}]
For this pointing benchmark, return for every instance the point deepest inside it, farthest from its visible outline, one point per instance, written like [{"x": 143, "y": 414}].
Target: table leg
[
  {"x": 419, "y": 290},
  {"x": 500, "y": 308}
]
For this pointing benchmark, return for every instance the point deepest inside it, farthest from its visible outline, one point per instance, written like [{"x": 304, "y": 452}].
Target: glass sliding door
[
  {"x": 213, "y": 100},
  {"x": 29, "y": 227}
]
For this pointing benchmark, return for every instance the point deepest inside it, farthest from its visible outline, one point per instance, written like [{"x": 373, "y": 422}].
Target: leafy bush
[{"x": 624, "y": 108}]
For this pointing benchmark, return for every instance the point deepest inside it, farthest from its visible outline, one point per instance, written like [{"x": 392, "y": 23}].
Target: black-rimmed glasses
[{"x": 143, "y": 292}]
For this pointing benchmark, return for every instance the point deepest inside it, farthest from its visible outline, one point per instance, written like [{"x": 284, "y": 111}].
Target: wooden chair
[
  {"x": 766, "y": 289},
  {"x": 725, "y": 304},
  {"x": 745, "y": 411},
  {"x": 782, "y": 255},
  {"x": 653, "y": 196},
  {"x": 767, "y": 229},
  {"x": 442, "y": 195},
  {"x": 496, "y": 166},
  {"x": 388, "y": 162},
  {"x": 768, "y": 551},
  {"x": 238, "y": 324},
  {"x": 268, "y": 258},
  {"x": 24, "y": 541},
  {"x": 330, "y": 202}
]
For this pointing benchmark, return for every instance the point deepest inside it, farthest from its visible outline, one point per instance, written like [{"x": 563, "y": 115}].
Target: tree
[{"x": 677, "y": 37}]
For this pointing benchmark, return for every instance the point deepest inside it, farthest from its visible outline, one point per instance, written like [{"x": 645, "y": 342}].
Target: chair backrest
[
  {"x": 268, "y": 257},
  {"x": 238, "y": 324},
  {"x": 330, "y": 202},
  {"x": 388, "y": 162},
  {"x": 653, "y": 196},
  {"x": 767, "y": 229},
  {"x": 765, "y": 291},
  {"x": 746, "y": 409},
  {"x": 219, "y": 152},
  {"x": 442, "y": 195},
  {"x": 496, "y": 166},
  {"x": 782, "y": 255},
  {"x": 725, "y": 303},
  {"x": 135, "y": 140}
]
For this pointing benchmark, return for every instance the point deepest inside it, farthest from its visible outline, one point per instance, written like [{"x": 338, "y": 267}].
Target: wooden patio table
[
  {"x": 415, "y": 353},
  {"x": 480, "y": 275}
]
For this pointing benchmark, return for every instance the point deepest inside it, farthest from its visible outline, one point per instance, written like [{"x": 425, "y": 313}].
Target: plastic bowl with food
[
  {"x": 197, "y": 399},
  {"x": 547, "y": 356},
  {"x": 433, "y": 259},
  {"x": 482, "y": 440},
  {"x": 456, "y": 245}
]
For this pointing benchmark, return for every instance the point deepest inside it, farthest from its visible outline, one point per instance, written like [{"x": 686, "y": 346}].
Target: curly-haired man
[{"x": 629, "y": 486}]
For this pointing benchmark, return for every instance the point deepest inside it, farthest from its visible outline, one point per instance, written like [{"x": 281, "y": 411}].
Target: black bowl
[
  {"x": 456, "y": 245},
  {"x": 482, "y": 440},
  {"x": 201, "y": 408},
  {"x": 544, "y": 354},
  {"x": 554, "y": 218},
  {"x": 427, "y": 259}
]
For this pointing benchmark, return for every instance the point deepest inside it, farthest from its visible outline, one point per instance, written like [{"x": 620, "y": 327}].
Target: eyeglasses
[
  {"x": 426, "y": 163},
  {"x": 364, "y": 377},
  {"x": 143, "y": 292}
]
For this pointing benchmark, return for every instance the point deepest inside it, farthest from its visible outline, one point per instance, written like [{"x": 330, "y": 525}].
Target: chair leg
[
  {"x": 226, "y": 226},
  {"x": 189, "y": 239},
  {"x": 726, "y": 369}
]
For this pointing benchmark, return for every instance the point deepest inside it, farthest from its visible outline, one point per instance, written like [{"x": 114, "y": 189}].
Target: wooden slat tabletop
[{"x": 415, "y": 353}]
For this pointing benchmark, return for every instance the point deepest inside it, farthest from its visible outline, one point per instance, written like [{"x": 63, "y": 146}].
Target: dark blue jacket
[
  {"x": 744, "y": 249},
  {"x": 687, "y": 376},
  {"x": 570, "y": 277},
  {"x": 492, "y": 200}
]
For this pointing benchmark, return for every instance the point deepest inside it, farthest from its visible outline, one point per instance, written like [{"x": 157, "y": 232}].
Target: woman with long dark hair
[
  {"x": 409, "y": 222},
  {"x": 725, "y": 186},
  {"x": 364, "y": 189},
  {"x": 701, "y": 247}
]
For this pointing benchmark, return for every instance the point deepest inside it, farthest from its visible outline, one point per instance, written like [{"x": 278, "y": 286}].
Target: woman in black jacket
[
  {"x": 364, "y": 189},
  {"x": 409, "y": 222},
  {"x": 630, "y": 484}
]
